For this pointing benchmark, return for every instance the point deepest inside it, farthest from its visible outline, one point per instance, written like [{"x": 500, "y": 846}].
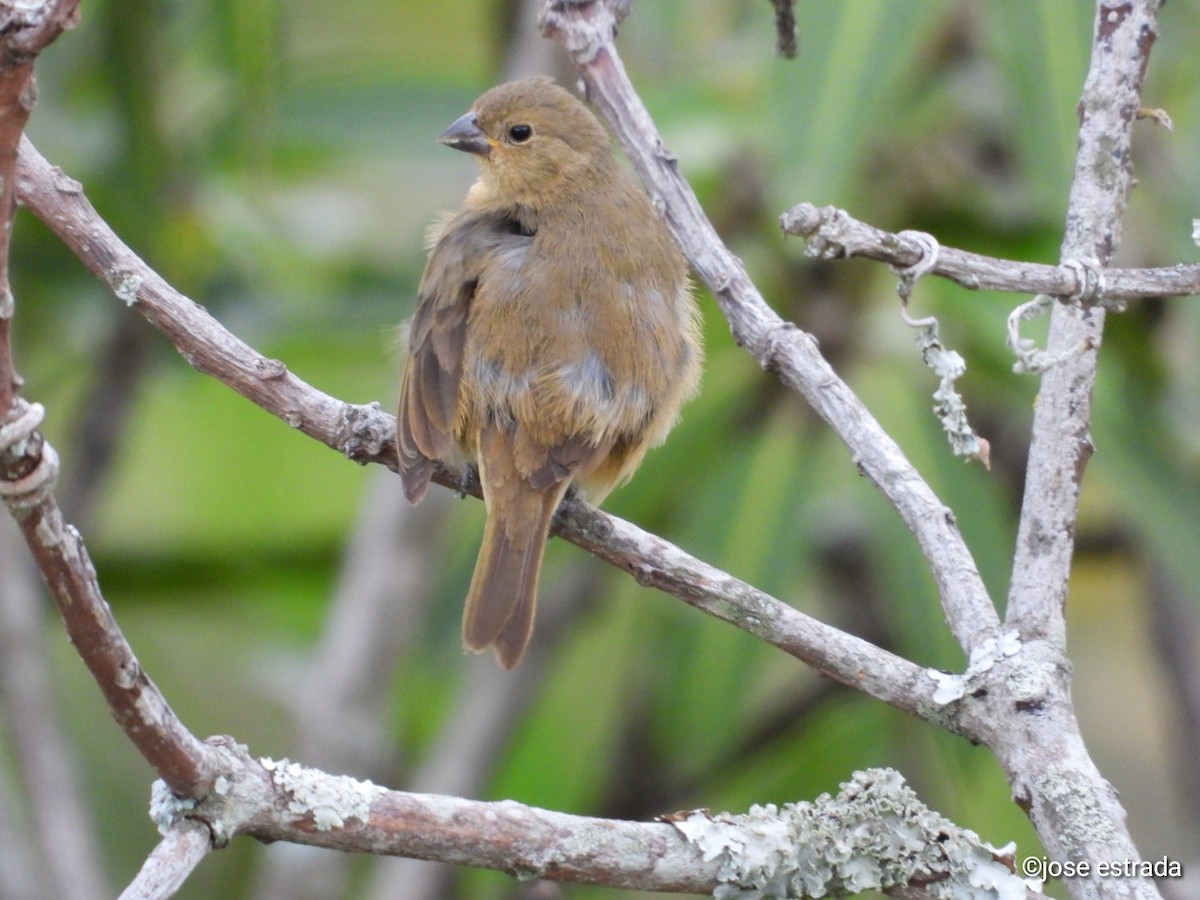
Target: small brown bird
[{"x": 554, "y": 341}]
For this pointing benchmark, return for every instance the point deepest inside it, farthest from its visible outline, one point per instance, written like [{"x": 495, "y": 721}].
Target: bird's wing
[{"x": 429, "y": 390}]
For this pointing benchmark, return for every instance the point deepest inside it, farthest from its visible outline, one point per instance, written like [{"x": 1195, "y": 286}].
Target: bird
[{"x": 555, "y": 339}]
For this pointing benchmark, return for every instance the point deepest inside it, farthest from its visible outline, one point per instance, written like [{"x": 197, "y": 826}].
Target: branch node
[
  {"x": 823, "y": 229},
  {"x": 365, "y": 433},
  {"x": 64, "y": 183},
  {"x": 167, "y": 808},
  {"x": 951, "y": 687},
  {"x": 1156, "y": 115},
  {"x": 241, "y": 790},
  {"x": 930, "y": 251},
  {"x": 1089, "y": 283},
  {"x": 777, "y": 343},
  {"x": 802, "y": 220},
  {"x": 270, "y": 369},
  {"x": 19, "y": 439},
  {"x": 583, "y": 26}
]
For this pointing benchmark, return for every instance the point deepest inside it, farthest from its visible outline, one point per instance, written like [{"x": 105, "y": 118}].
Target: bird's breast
[{"x": 568, "y": 339}]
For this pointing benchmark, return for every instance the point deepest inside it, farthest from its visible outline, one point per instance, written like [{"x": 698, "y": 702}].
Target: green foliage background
[{"x": 275, "y": 160}]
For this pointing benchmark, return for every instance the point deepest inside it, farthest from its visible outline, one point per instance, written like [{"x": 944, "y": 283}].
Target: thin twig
[
  {"x": 785, "y": 28},
  {"x": 832, "y": 233},
  {"x": 168, "y": 866}
]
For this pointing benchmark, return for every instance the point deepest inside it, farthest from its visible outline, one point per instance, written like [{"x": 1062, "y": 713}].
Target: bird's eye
[{"x": 519, "y": 134}]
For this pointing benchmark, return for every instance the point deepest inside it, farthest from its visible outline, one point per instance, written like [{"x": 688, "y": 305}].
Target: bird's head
[{"x": 536, "y": 144}]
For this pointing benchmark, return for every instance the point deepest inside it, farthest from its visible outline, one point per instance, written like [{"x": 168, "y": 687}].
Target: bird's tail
[{"x": 503, "y": 595}]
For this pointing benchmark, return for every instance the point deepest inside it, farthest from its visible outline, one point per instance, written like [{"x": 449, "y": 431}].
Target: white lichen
[
  {"x": 951, "y": 687},
  {"x": 125, "y": 285},
  {"x": 874, "y": 835},
  {"x": 165, "y": 807},
  {"x": 992, "y": 651},
  {"x": 329, "y": 799},
  {"x": 49, "y": 531},
  {"x": 1030, "y": 682},
  {"x": 948, "y": 405}
]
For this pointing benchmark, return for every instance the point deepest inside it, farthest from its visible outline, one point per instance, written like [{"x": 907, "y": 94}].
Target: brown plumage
[{"x": 554, "y": 341}]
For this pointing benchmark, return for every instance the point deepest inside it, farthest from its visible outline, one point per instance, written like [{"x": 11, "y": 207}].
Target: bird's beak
[{"x": 465, "y": 134}]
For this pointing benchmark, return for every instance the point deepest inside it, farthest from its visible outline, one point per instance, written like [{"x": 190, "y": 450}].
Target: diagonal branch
[
  {"x": 657, "y": 563},
  {"x": 587, "y": 30},
  {"x": 27, "y": 469},
  {"x": 365, "y": 433},
  {"x": 362, "y": 433},
  {"x": 168, "y": 866}
]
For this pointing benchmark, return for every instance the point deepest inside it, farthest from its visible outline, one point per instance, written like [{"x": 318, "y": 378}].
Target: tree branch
[
  {"x": 816, "y": 849},
  {"x": 1050, "y": 764},
  {"x": 832, "y": 233},
  {"x": 587, "y": 30}
]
